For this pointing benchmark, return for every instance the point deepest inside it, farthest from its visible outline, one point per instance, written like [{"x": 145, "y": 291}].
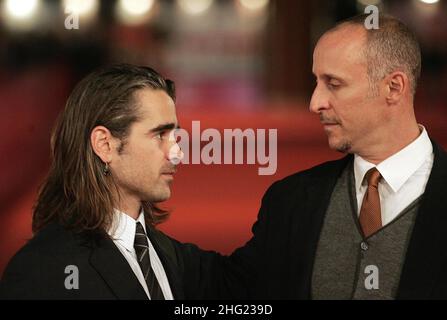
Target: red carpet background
[{"x": 213, "y": 206}]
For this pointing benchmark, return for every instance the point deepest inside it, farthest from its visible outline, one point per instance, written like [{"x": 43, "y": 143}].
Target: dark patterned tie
[
  {"x": 142, "y": 250},
  {"x": 370, "y": 214}
]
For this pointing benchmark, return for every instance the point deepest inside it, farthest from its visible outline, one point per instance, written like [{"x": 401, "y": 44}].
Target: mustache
[{"x": 325, "y": 119}]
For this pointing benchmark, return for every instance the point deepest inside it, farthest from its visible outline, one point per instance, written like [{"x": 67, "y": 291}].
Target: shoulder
[
  {"x": 180, "y": 253},
  {"x": 171, "y": 248},
  {"x": 52, "y": 239},
  {"x": 440, "y": 154},
  {"x": 40, "y": 263},
  {"x": 312, "y": 176}
]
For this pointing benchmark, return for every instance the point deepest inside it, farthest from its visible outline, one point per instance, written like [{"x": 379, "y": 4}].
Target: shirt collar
[
  {"x": 398, "y": 168},
  {"x": 123, "y": 228}
]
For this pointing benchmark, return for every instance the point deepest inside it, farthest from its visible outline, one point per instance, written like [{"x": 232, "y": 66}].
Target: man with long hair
[{"x": 113, "y": 160}]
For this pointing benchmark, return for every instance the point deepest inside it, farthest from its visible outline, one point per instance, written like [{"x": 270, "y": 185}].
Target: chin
[
  {"x": 161, "y": 196},
  {"x": 343, "y": 146},
  {"x": 157, "y": 195}
]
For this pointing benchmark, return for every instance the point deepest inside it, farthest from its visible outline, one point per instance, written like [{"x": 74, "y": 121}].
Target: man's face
[
  {"x": 349, "y": 111},
  {"x": 143, "y": 170}
]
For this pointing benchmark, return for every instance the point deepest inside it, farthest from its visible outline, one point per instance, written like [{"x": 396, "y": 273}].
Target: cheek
[
  {"x": 145, "y": 155},
  {"x": 136, "y": 166},
  {"x": 354, "y": 106},
  {"x": 149, "y": 159}
]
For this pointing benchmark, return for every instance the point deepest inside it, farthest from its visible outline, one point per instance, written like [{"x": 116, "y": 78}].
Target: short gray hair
[{"x": 390, "y": 48}]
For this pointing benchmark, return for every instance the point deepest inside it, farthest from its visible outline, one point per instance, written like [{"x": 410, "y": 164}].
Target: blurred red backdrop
[
  {"x": 213, "y": 206},
  {"x": 234, "y": 67}
]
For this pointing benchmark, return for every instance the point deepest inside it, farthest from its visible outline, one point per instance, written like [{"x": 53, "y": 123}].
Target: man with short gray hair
[{"x": 366, "y": 226}]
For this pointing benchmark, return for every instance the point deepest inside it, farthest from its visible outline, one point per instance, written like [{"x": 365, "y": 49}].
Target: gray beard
[{"x": 345, "y": 147}]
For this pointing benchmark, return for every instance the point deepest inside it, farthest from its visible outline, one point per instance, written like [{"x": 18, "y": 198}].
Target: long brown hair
[{"x": 76, "y": 192}]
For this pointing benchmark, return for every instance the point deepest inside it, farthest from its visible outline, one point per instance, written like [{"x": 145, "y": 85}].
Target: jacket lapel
[
  {"x": 426, "y": 254},
  {"x": 108, "y": 261}
]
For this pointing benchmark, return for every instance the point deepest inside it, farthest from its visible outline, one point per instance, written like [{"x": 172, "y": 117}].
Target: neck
[
  {"x": 391, "y": 142},
  {"x": 129, "y": 205}
]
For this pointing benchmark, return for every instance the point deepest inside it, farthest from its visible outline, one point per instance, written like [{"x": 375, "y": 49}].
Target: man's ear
[
  {"x": 396, "y": 85},
  {"x": 102, "y": 143}
]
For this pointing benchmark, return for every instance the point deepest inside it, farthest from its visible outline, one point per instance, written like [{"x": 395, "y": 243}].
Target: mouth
[
  {"x": 330, "y": 127},
  {"x": 327, "y": 121},
  {"x": 329, "y": 124},
  {"x": 169, "y": 174}
]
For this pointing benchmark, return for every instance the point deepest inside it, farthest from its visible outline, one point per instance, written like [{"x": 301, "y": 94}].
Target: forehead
[
  {"x": 155, "y": 106},
  {"x": 340, "y": 52}
]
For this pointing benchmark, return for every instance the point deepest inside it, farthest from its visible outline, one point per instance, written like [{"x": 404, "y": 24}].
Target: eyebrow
[
  {"x": 331, "y": 76},
  {"x": 164, "y": 127}
]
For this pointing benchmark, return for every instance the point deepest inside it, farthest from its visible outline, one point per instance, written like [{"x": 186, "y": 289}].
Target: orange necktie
[{"x": 370, "y": 216}]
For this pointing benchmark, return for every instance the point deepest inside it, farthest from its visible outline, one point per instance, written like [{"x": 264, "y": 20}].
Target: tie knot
[
  {"x": 373, "y": 177},
  {"x": 139, "y": 228},
  {"x": 140, "y": 235}
]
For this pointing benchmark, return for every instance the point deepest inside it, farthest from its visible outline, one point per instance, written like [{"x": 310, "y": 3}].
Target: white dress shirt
[
  {"x": 404, "y": 177},
  {"x": 122, "y": 233}
]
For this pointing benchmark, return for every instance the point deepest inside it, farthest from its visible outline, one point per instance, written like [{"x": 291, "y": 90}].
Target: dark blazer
[
  {"x": 282, "y": 250},
  {"x": 37, "y": 271}
]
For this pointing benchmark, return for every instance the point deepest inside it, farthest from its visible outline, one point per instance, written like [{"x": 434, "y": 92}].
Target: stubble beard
[{"x": 344, "y": 147}]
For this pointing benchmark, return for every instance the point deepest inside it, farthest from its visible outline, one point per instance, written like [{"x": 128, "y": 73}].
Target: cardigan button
[{"x": 364, "y": 246}]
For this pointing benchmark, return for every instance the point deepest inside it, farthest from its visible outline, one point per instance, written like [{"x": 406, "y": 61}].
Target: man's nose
[
  {"x": 175, "y": 153},
  {"x": 319, "y": 101}
]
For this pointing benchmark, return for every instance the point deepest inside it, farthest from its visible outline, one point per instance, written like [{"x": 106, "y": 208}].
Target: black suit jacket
[
  {"x": 37, "y": 271},
  {"x": 282, "y": 250}
]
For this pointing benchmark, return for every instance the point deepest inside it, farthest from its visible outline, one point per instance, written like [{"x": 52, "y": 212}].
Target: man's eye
[
  {"x": 332, "y": 85},
  {"x": 160, "y": 135}
]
